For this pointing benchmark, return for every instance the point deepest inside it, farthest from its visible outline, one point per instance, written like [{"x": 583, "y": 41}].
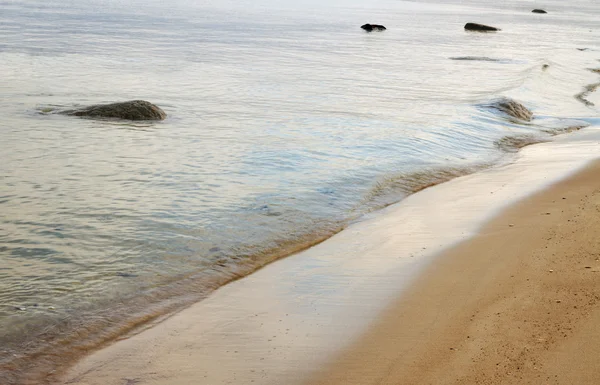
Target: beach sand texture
[
  {"x": 514, "y": 304},
  {"x": 518, "y": 304}
]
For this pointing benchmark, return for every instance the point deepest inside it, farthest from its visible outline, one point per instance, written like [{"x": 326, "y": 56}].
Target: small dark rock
[
  {"x": 131, "y": 110},
  {"x": 373, "y": 27},
  {"x": 480, "y": 27},
  {"x": 539, "y": 11}
]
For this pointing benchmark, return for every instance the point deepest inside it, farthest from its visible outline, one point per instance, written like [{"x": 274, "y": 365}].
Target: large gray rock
[
  {"x": 130, "y": 110},
  {"x": 513, "y": 108},
  {"x": 480, "y": 27}
]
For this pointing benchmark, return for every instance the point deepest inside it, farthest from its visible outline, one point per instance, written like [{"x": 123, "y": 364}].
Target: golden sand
[{"x": 518, "y": 304}]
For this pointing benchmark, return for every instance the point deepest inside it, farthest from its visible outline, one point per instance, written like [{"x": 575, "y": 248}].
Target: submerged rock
[
  {"x": 539, "y": 11},
  {"x": 130, "y": 110},
  {"x": 480, "y": 27},
  {"x": 373, "y": 27},
  {"x": 513, "y": 108}
]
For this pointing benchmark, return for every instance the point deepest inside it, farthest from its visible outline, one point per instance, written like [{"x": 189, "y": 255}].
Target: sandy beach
[
  {"x": 408, "y": 295},
  {"x": 518, "y": 304}
]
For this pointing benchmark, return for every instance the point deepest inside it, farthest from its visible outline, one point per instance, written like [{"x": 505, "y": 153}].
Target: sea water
[{"x": 286, "y": 121}]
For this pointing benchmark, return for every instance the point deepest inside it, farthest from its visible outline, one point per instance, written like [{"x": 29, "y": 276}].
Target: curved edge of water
[{"x": 229, "y": 319}]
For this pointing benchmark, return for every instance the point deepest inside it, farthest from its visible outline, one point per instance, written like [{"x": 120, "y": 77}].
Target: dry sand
[{"x": 518, "y": 304}]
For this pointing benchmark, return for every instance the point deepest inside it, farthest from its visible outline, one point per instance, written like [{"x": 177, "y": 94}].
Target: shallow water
[{"x": 285, "y": 122}]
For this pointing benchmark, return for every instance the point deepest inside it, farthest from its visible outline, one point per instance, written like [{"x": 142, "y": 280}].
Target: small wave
[
  {"x": 582, "y": 96},
  {"x": 515, "y": 143},
  {"x": 588, "y": 89},
  {"x": 548, "y": 127},
  {"x": 392, "y": 188},
  {"x": 476, "y": 58},
  {"x": 487, "y": 59},
  {"x": 566, "y": 129}
]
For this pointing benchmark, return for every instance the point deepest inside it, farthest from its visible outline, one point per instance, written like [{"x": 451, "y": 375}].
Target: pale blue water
[{"x": 285, "y": 121}]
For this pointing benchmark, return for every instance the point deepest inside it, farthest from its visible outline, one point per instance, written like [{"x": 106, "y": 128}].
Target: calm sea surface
[{"x": 285, "y": 122}]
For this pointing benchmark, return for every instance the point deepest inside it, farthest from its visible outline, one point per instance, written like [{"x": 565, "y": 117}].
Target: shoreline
[
  {"x": 518, "y": 303},
  {"x": 150, "y": 320},
  {"x": 304, "y": 126},
  {"x": 283, "y": 322}
]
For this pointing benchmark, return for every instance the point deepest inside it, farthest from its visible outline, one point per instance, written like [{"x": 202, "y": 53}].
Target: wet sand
[
  {"x": 518, "y": 304},
  {"x": 378, "y": 303}
]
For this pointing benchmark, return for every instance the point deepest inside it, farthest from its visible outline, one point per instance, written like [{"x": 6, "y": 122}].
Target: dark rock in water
[
  {"x": 131, "y": 110},
  {"x": 513, "y": 108},
  {"x": 373, "y": 27},
  {"x": 480, "y": 27},
  {"x": 539, "y": 11}
]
